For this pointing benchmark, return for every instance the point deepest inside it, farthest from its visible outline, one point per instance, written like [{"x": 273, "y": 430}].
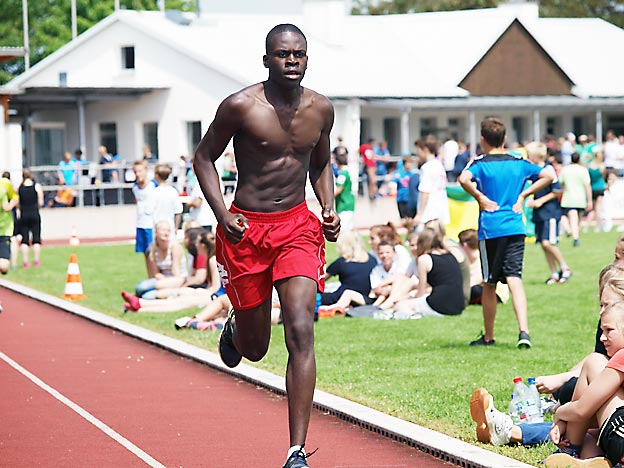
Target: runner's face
[{"x": 287, "y": 58}]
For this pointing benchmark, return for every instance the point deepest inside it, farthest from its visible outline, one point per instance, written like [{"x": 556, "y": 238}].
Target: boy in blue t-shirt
[
  {"x": 546, "y": 217},
  {"x": 500, "y": 178}
]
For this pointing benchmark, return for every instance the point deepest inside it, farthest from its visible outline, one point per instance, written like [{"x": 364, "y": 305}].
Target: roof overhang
[
  {"x": 10, "y": 53},
  {"x": 480, "y": 103},
  {"x": 54, "y": 96}
]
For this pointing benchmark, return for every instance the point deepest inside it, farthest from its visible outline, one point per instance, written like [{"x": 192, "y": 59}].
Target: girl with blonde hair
[{"x": 353, "y": 268}]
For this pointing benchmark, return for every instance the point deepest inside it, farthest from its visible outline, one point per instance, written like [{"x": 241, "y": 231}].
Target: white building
[{"x": 147, "y": 77}]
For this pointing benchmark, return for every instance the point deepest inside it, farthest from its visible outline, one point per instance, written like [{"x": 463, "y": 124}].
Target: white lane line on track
[{"x": 85, "y": 414}]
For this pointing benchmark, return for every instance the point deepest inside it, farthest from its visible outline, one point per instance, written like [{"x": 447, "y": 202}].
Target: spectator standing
[
  {"x": 433, "y": 202},
  {"x": 585, "y": 148},
  {"x": 343, "y": 193},
  {"x": 30, "y": 200},
  {"x": 200, "y": 210},
  {"x": 546, "y": 217},
  {"x": 382, "y": 156},
  {"x": 567, "y": 148},
  {"x": 449, "y": 152},
  {"x": 148, "y": 156},
  {"x": 66, "y": 169},
  {"x": 500, "y": 179},
  {"x": 577, "y": 195},
  {"x": 401, "y": 176},
  {"x": 413, "y": 193},
  {"x": 108, "y": 161},
  {"x": 230, "y": 173},
  {"x": 8, "y": 201},
  {"x": 611, "y": 150},
  {"x": 370, "y": 168},
  {"x": 462, "y": 159},
  {"x": 165, "y": 199},
  {"x": 142, "y": 189},
  {"x": 339, "y": 149},
  {"x": 597, "y": 176}
]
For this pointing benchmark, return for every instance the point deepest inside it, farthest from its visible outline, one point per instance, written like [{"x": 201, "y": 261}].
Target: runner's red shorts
[{"x": 275, "y": 246}]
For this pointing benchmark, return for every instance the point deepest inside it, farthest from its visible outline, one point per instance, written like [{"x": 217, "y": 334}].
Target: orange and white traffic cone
[
  {"x": 73, "y": 240},
  {"x": 73, "y": 285}
]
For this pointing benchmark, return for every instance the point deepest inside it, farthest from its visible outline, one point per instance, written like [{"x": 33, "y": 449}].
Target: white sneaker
[
  {"x": 493, "y": 426},
  {"x": 182, "y": 322}
]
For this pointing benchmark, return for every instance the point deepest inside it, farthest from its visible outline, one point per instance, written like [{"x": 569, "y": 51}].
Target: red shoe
[{"x": 132, "y": 302}]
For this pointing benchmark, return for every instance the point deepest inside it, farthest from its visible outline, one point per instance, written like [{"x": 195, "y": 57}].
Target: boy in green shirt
[{"x": 345, "y": 200}]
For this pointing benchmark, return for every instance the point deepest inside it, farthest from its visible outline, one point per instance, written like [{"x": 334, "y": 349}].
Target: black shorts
[
  {"x": 597, "y": 193},
  {"x": 405, "y": 211},
  {"x": 581, "y": 211},
  {"x": 547, "y": 230},
  {"x": 5, "y": 247},
  {"x": 611, "y": 439},
  {"x": 30, "y": 229},
  {"x": 199, "y": 286},
  {"x": 501, "y": 258}
]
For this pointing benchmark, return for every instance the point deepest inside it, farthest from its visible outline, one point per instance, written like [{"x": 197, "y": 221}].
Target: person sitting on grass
[
  {"x": 496, "y": 428},
  {"x": 197, "y": 265},
  {"x": 437, "y": 268},
  {"x": 407, "y": 283},
  {"x": 469, "y": 243},
  {"x": 383, "y": 276},
  {"x": 165, "y": 260},
  {"x": 189, "y": 295},
  {"x": 597, "y": 403},
  {"x": 214, "y": 315},
  {"x": 458, "y": 253},
  {"x": 611, "y": 287},
  {"x": 353, "y": 268},
  {"x": 388, "y": 232}
]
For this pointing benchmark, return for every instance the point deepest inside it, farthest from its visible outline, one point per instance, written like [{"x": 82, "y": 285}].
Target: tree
[
  {"x": 609, "y": 10},
  {"x": 49, "y": 24}
]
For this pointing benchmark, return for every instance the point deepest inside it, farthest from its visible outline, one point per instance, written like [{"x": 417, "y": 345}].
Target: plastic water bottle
[
  {"x": 526, "y": 406},
  {"x": 512, "y": 410},
  {"x": 536, "y": 396}
]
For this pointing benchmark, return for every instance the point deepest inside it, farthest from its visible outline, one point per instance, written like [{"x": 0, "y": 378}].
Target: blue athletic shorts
[{"x": 143, "y": 240}]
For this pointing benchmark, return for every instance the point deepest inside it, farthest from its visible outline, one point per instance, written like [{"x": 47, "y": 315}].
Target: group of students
[
  {"x": 387, "y": 284},
  {"x": 588, "y": 424},
  {"x": 178, "y": 281}
]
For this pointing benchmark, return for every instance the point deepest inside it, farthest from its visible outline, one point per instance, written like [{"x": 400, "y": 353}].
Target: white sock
[{"x": 292, "y": 450}]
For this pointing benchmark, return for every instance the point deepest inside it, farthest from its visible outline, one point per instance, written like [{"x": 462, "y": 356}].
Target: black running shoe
[
  {"x": 524, "y": 340},
  {"x": 297, "y": 460},
  {"x": 229, "y": 354},
  {"x": 481, "y": 341}
]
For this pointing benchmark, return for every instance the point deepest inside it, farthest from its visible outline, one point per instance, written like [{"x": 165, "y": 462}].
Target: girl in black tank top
[
  {"x": 30, "y": 199},
  {"x": 437, "y": 268}
]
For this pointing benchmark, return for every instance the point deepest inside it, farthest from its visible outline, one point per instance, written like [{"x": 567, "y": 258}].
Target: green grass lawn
[{"x": 422, "y": 370}]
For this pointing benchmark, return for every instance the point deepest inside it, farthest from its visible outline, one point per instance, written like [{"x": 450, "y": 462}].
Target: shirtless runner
[{"x": 268, "y": 237}]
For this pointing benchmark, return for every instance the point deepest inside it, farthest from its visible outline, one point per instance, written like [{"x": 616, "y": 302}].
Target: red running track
[{"x": 174, "y": 410}]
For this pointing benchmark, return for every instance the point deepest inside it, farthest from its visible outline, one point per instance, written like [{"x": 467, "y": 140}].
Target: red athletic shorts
[{"x": 275, "y": 246}]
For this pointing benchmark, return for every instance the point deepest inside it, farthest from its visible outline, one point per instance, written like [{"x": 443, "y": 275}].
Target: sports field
[{"x": 422, "y": 371}]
